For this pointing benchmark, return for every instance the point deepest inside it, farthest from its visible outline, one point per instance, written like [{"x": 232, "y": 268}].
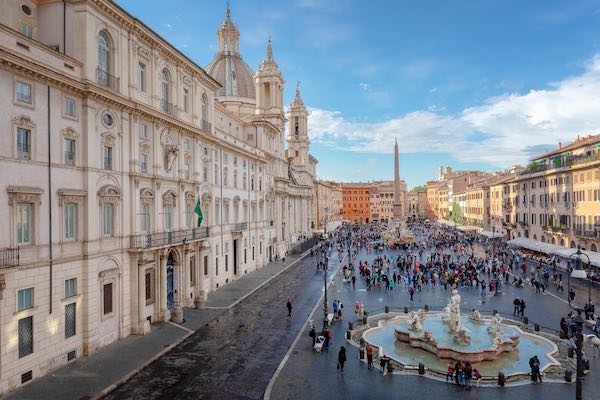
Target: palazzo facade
[{"x": 111, "y": 137}]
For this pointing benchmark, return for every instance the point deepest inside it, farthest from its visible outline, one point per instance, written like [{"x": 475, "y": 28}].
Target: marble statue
[
  {"x": 494, "y": 327},
  {"x": 428, "y": 338},
  {"x": 454, "y": 308},
  {"x": 416, "y": 324},
  {"x": 476, "y": 316},
  {"x": 462, "y": 337}
]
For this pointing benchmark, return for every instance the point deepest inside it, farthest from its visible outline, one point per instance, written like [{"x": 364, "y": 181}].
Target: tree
[
  {"x": 456, "y": 214},
  {"x": 418, "y": 189}
]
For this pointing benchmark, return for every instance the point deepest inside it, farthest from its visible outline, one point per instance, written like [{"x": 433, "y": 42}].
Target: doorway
[
  {"x": 235, "y": 256},
  {"x": 170, "y": 292}
]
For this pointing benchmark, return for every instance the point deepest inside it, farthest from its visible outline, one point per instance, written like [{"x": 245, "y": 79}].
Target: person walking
[
  {"x": 522, "y": 308},
  {"x": 289, "y": 308},
  {"x": 353, "y": 281},
  {"x": 411, "y": 292},
  {"x": 572, "y": 294},
  {"x": 341, "y": 359},
  {"x": 369, "y": 356}
]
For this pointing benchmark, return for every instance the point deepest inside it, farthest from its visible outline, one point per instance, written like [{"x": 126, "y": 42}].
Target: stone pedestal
[
  {"x": 200, "y": 301},
  {"x": 177, "y": 314}
]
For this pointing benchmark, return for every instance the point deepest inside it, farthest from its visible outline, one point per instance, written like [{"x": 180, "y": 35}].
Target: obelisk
[{"x": 397, "y": 205}]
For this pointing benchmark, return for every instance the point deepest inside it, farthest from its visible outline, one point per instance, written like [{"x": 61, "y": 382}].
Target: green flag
[{"x": 198, "y": 211}]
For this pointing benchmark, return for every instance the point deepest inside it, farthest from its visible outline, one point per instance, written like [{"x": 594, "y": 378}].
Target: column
[
  {"x": 143, "y": 326},
  {"x": 162, "y": 288}
]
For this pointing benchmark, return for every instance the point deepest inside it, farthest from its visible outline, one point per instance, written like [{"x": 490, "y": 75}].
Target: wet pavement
[
  {"x": 234, "y": 356},
  {"x": 308, "y": 375}
]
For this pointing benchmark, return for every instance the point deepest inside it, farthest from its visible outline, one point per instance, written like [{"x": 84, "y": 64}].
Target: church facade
[{"x": 113, "y": 137}]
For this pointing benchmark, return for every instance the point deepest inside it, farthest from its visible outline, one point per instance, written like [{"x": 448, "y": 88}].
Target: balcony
[
  {"x": 206, "y": 126},
  {"x": 168, "y": 108},
  {"x": 240, "y": 226},
  {"x": 563, "y": 229},
  {"x": 107, "y": 80},
  {"x": 163, "y": 239},
  {"x": 9, "y": 258},
  {"x": 586, "y": 234}
]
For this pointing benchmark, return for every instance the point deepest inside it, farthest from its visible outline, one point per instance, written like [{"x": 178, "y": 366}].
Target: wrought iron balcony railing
[
  {"x": 107, "y": 80},
  {"x": 9, "y": 257},
  {"x": 150, "y": 240},
  {"x": 206, "y": 126},
  {"x": 168, "y": 108},
  {"x": 240, "y": 226}
]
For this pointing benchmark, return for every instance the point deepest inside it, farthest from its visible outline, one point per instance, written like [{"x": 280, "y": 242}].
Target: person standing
[
  {"x": 289, "y": 307},
  {"x": 572, "y": 294},
  {"x": 468, "y": 374},
  {"x": 353, "y": 281},
  {"x": 517, "y": 304},
  {"x": 411, "y": 292},
  {"x": 522, "y": 308},
  {"x": 341, "y": 359},
  {"x": 369, "y": 355},
  {"x": 313, "y": 335}
]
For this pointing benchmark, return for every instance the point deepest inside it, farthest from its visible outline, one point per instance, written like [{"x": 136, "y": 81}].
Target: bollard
[
  {"x": 536, "y": 327},
  {"x": 405, "y": 310},
  {"x": 364, "y": 321},
  {"x": 568, "y": 375},
  {"x": 421, "y": 369},
  {"x": 526, "y": 320},
  {"x": 350, "y": 325},
  {"x": 361, "y": 353},
  {"x": 494, "y": 312},
  {"x": 501, "y": 379},
  {"x": 570, "y": 352},
  {"x": 348, "y": 334},
  {"x": 426, "y": 307},
  {"x": 387, "y": 309}
]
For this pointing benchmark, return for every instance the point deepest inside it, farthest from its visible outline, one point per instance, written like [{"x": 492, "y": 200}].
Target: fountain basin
[{"x": 441, "y": 343}]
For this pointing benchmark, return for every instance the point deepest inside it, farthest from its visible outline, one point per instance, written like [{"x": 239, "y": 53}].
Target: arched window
[
  {"x": 204, "y": 108},
  {"x": 104, "y": 56},
  {"x": 225, "y": 174},
  {"x": 164, "y": 89},
  {"x": 235, "y": 179}
]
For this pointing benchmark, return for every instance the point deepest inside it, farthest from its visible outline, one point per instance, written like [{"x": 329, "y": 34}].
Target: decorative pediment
[
  {"x": 145, "y": 147},
  {"x": 24, "y": 120},
  {"x": 70, "y": 133},
  {"x": 169, "y": 197},
  {"x": 187, "y": 81},
  {"x": 236, "y": 200},
  {"x": 187, "y": 157},
  {"x": 108, "y": 138},
  {"x": 24, "y": 194},
  {"x": 206, "y": 197},
  {"x": 189, "y": 196},
  {"x": 109, "y": 194},
  {"x": 143, "y": 52},
  {"x": 146, "y": 193},
  {"x": 226, "y": 201},
  {"x": 70, "y": 196}
]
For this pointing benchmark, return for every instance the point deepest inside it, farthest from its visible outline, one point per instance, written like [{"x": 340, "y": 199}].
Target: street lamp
[
  {"x": 578, "y": 272},
  {"x": 325, "y": 311}
]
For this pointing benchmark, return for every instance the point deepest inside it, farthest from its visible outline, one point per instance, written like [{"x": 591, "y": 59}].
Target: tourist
[
  {"x": 564, "y": 327},
  {"x": 327, "y": 336},
  {"x": 536, "y": 364},
  {"x": 517, "y": 304},
  {"x": 341, "y": 359},
  {"x": 477, "y": 376},
  {"x": 383, "y": 361},
  {"x": 411, "y": 292},
  {"x": 458, "y": 373},
  {"x": 450, "y": 373},
  {"x": 340, "y": 307},
  {"x": 313, "y": 335},
  {"x": 571, "y": 295},
  {"x": 522, "y": 308},
  {"x": 335, "y": 310},
  {"x": 289, "y": 308},
  {"x": 467, "y": 374},
  {"x": 369, "y": 355}
]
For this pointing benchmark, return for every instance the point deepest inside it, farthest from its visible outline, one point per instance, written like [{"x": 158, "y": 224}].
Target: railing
[
  {"x": 556, "y": 229},
  {"x": 168, "y": 108},
  {"x": 149, "y": 240},
  {"x": 206, "y": 126},
  {"x": 107, "y": 80},
  {"x": 587, "y": 234},
  {"x": 9, "y": 257},
  {"x": 240, "y": 226}
]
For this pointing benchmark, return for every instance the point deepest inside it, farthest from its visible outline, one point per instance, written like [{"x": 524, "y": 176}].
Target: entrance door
[
  {"x": 235, "y": 256},
  {"x": 170, "y": 296}
]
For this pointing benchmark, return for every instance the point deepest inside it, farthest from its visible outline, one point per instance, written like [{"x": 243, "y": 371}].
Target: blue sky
[{"x": 475, "y": 84}]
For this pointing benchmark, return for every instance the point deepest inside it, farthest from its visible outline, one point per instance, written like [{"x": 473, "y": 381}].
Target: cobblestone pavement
[
  {"x": 234, "y": 356},
  {"x": 308, "y": 375}
]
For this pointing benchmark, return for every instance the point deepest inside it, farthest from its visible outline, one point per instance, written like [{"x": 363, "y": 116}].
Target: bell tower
[
  {"x": 298, "y": 131},
  {"x": 269, "y": 85}
]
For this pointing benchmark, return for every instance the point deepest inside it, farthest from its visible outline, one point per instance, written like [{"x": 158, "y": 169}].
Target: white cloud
[{"x": 502, "y": 131}]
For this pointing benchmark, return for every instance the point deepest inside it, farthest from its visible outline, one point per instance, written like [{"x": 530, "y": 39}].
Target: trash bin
[
  {"x": 525, "y": 320},
  {"x": 405, "y": 310},
  {"x": 421, "y": 369},
  {"x": 501, "y": 379},
  {"x": 536, "y": 327},
  {"x": 387, "y": 309},
  {"x": 361, "y": 353},
  {"x": 426, "y": 307},
  {"x": 348, "y": 334}
]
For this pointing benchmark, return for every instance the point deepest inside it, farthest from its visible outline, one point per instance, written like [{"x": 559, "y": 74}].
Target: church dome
[{"x": 228, "y": 68}]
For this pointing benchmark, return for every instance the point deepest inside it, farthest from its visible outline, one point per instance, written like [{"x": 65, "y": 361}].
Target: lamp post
[
  {"x": 578, "y": 272},
  {"x": 325, "y": 310},
  {"x": 493, "y": 241}
]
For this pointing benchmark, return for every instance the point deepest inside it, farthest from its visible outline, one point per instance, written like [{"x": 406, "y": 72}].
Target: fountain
[{"x": 432, "y": 338}]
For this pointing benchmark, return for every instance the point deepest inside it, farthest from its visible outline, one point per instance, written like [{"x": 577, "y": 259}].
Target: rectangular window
[
  {"x": 186, "y": 100},
  {"x": 216, "y": 266},
  {"x": 149, "y": 281},
  {"x": 24, "y": 223},
  {"x": 70, "y": 320},
  {"x": 70, "y": 288},
  {"x": 169, "y": 217},
  {"x": 25, "y": 336},
  {"x": 107, "y": 219},
  {"x": 108, "y": 157},
  {"x": 226, "y": 262},
  {"x": 69, "y": 107},
  {"x": 142, "y": 77},
  {"x": 107, "y": 298},
  {"x": 186, "y": 171},
  {"x": 192, "y": 271},
  {"x": 205, "y": 265},
  {"x": 143, "y": 131},
  {"x": 24, "y": 143},
  {"x": 24, "y": 299},
  {"x": 70, "y": 218},
  {"x": 69, "y": 149},
  {"x": 26, "y": 30},
  {"x": 143, "y": 163},
  {"x": 23, "y": 92},
  {"x": 145, "y": 215}
]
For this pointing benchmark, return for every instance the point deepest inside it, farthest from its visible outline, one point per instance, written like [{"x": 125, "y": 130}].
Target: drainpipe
[{"x": 49, "y": 203}]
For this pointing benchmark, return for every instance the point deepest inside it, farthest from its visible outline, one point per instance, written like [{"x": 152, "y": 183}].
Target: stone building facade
[{"x": 112, "y": 137}]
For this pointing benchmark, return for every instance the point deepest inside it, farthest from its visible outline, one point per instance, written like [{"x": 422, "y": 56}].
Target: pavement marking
[
  {"x": 244, "y": 297},
  {"x": 180, "y": 326},
  {"x": 269, "y": 388}
]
